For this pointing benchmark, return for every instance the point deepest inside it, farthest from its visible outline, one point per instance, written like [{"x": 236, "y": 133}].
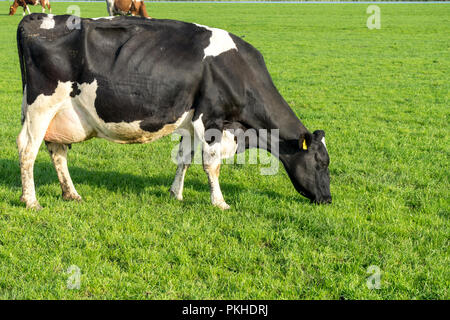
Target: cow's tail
[
  {"x": 21, "y": 57},
  {"x": 20, "y": 38}
]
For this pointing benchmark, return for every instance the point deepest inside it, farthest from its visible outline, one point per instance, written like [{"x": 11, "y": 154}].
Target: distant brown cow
[
  {"x": 24, "y": 4},
  {"x": 126, "y": 7}
]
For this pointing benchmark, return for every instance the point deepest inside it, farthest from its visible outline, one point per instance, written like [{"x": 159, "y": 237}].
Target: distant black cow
[{"x": 135, "y": 80}]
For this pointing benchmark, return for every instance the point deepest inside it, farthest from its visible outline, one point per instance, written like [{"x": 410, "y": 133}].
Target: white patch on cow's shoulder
[
  {"x": 48, "y": 22},
  {"x": 323, "y": 141},
  {"x": 219, "y": 42}
]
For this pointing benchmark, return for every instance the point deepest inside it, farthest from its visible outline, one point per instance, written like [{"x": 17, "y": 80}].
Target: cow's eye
[{"x": 320, "y": 162}]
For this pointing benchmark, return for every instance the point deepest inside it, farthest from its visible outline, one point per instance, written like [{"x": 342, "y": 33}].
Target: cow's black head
[{"x": 308, "y": 168}]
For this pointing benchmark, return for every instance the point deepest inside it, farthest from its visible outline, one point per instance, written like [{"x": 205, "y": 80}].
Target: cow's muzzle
[{"x": 322, "y": 200}]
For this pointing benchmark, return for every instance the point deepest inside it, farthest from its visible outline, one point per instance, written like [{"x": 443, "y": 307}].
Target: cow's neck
[{"x": 277, "y": 115}]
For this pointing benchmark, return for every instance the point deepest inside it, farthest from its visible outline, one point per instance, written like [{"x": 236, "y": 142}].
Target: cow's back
[{"x": 150, "y": 72}]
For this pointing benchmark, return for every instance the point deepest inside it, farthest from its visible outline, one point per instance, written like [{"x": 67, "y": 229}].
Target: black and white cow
[{"x": 134, "y": 80}]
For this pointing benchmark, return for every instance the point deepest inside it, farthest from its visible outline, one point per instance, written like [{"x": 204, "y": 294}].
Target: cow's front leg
[
  {"x": 58, "y": 153},
  {"x": 28, "y": 9},
  {"x": 184, "y": 158},
  {"x": 211, "y": 157},
  {"x": 211, "y": 165}
]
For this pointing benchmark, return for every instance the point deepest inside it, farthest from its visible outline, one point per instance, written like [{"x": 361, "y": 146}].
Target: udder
[{"x": 68, "y": 126}]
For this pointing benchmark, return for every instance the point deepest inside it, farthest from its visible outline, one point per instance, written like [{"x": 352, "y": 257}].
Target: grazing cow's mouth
[
  {"x": 307, "y": 196},
  {"x": 324, "y": 200},
  {"x": 317, "y": 200}
]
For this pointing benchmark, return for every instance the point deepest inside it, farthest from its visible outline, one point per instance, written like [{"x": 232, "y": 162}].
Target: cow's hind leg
[
  {"x": 58, "y": 153},
  {"x": 28, "y": 142},
  {"x": 184, "y": 158}
]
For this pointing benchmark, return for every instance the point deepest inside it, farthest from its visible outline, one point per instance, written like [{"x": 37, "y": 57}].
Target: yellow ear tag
[{"x": 304, "y": 145}]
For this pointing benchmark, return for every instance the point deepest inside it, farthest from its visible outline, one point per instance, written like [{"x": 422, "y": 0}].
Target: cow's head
[
  {"x": 12, "y": 10},
  {"x": 308, "y": 168}
]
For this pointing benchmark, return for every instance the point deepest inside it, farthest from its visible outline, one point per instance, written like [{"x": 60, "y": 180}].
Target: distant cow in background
[
  {"x": 24, "y": 4},
  {"x": 126, "y": 7}
]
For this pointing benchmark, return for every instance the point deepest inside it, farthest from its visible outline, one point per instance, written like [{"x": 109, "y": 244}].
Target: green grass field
[{"x": 382, "y": 96}]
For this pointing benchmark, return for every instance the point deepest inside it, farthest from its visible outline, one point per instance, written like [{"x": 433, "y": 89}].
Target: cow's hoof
[
  {"x": 71, "y": 197},
  {"x": 176, "y": 195},
  {"x": 222, "y": 205},
  {"x": 34, "y": 206}
]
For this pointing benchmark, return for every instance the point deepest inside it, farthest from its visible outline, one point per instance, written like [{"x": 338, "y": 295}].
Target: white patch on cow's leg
[
  {"x": 28, "y": 9},
  {"x": 28, "y": 143},
  {"x": 211, "y": 164},
  {"x": 48, "y": 22},
  {"x": 58, "y": 153},
  {"x": 219, "y": 42},
  {"x": 43, "y": 10},
  {"x": 176, "y": 190},
  {"x": 26, "y": 170}
]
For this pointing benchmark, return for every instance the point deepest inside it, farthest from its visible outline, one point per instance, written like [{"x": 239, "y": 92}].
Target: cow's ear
[
  {"x": 305, "y": 141},
  {"x": 319, "y": 134}
]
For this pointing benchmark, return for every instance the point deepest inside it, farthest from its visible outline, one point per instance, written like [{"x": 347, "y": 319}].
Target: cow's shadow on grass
[{"x": 44, "y": 174}]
